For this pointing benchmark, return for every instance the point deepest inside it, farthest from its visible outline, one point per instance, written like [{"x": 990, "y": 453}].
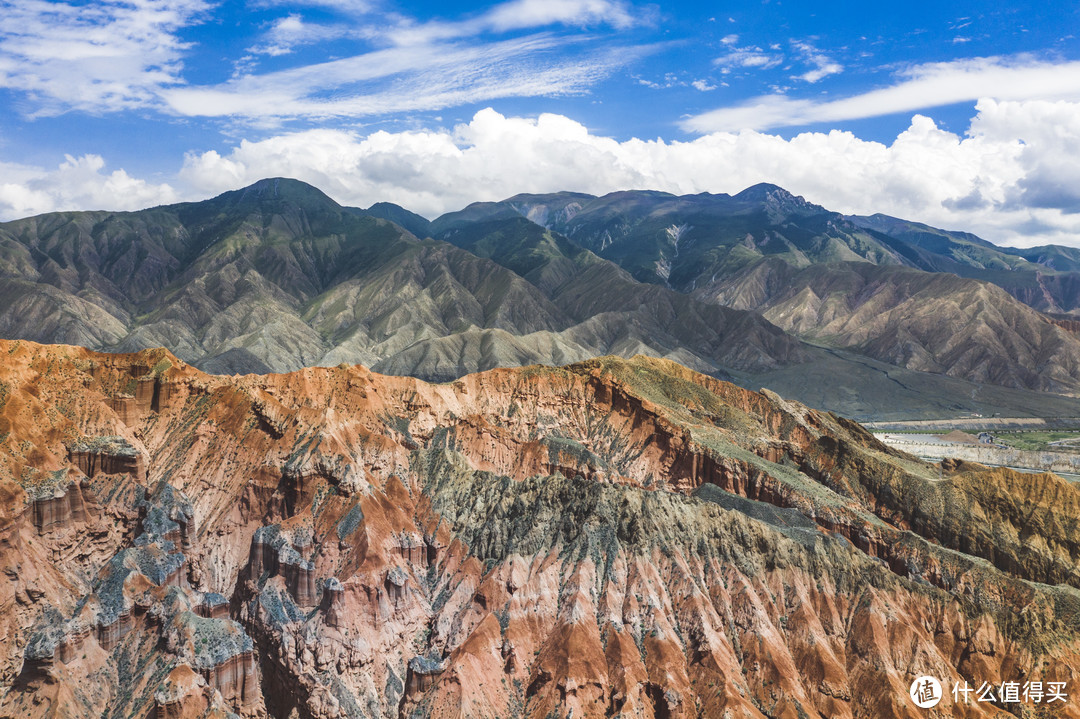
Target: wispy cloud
[
  {"x": 293, "y": 31},
  {"x": 113, "y": 55},
  {"x": 518, "y": 15},
  {"x": 821, "y": 64},
  {"x": 746, "y": 56},
  {"x": 398, "y": 79},
  {"x": 919, "y": 87},
  {"x": 345, "y": 7},
  {"x": 100, "y": 57}
]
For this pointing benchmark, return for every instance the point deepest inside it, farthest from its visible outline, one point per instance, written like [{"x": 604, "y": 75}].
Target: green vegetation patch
[
  {"x": 350, "y": 522},
  {"x": 215, "y": 641},
  {"x": 161, "y": 366},
  {"x": 1040, "y": 441}
]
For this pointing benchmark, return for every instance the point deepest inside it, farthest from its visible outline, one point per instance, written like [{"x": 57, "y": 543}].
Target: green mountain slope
[
  {"x": 907, "y": 294},
  {"x": 683, "y": 242},
  {"x": 930, "y": 322},
  {"x": 611, "y": 309},
  {"x": 278, "y": 276},
  {"x": 1046, "y": 278}
]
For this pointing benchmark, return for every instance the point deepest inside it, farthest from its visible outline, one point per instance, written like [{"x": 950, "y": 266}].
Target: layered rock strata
[{"x": 612, "y": 538}]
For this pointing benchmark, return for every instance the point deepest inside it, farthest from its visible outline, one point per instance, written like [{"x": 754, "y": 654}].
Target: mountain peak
[
  {"x": 414, "y": 223},
  {"x": 277, "y": 189},
  {"x": 777, "y": 199},
  {"x": 765, "y": 191}
]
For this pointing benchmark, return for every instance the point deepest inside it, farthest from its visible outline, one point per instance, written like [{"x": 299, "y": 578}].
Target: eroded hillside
[{"x": 615, "y": 537}]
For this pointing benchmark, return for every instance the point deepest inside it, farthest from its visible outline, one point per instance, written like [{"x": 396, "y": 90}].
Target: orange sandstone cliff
[{"x": 612, "y": 538}]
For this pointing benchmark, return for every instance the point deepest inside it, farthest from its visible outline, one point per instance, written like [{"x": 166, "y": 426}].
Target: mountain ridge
[
  {"x": 268, "y": 277},
  {"x": 277, "y": 276}
]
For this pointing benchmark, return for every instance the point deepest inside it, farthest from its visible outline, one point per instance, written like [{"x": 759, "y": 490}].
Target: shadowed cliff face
[{"x": 610, "y": 538}]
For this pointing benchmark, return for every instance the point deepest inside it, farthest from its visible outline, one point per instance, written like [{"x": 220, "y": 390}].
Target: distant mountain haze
[{"x": 759, "y": 286}]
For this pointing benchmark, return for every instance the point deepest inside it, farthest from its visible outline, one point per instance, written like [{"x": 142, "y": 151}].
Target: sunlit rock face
[{"x": 611, "y": 538}]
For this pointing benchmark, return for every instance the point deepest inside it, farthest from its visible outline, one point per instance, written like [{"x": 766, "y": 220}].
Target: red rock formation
[
  {"x": 72, "y": 644},
  {"x": 107, "y": 455},
  {"x": 61, "y": 508},
  {"x": 299, "y": 577},
  {"x": 273, "y": 554},
  {"x": 182, "y": 695},
  {"x": 126, "y": 408},
  {"x": 397, "y": 585},
  {"x": 237, "y": 678},
  {"x": 612, "y": 538},
  {"x": 213, "y": 606},
  {"x": 109, "y": 635},
  {"x": 333, "y": 603}
]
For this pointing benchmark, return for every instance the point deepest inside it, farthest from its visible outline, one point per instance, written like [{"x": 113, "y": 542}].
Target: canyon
[{"x": 614, "y": 537}]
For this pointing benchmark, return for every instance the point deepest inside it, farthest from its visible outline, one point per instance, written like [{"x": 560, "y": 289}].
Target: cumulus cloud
[
  {"x": 76, "y": 184},
  {"x": 1007, "y": 180},
  {"x": 918, "y": 87},
  {"x": 1050, "y": 133}
]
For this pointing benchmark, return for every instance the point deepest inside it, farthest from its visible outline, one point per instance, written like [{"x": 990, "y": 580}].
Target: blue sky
[{"x": 958, "y": 114}]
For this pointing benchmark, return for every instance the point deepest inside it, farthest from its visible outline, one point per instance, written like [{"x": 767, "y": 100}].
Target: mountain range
[
  {"x": 762, "y": 288},
  {"x": 230, "y": 514}
]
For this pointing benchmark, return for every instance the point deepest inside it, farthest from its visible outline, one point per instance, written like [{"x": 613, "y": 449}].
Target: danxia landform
[{"x": 615, "y": 537}]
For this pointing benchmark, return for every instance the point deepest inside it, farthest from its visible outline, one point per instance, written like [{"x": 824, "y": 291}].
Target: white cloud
[
  {"x": 1012, "y": 178},
  {"x": 702, "y": 85},
  {"x": 518, "y": 15},
  {"x": 754, "y": 57},
  {"x": 1009, "y": 181},
  {"x": 292, "y": 31},
  {"x": 750, "y": 56},
  {"x": 822, "y": 65},
  {"x": 77, "y": 184},
  {"x": 1050, "y": 133},
  {"x": 919, "y": 87},
  {"x": 107, "y": 56},
  {"x": 113, "y": 55},
  {"x": 401, "y": 79},
  {"x": 347, "y": 7}
]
